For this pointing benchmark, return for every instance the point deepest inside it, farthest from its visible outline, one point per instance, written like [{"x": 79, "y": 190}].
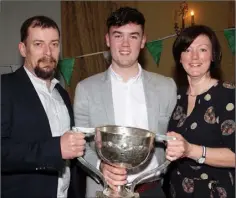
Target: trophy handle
[
  {"x": 93, "y": 169},
  {"x": 89, "y": 132},
  {"x": 158, "y": 138},
  {"x": 138, "y": 179}
]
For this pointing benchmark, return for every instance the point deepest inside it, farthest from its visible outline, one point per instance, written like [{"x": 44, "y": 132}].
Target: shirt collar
[
  {"x": 119, "y": 78},
  {"x": 37, "y": 81}
]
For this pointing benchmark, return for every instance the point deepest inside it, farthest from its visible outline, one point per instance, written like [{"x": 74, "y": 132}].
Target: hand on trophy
[
  {"x": 178, "y": 148},
  {"x": 114, "y": 176},
  {"x": 72, "y": 145}
]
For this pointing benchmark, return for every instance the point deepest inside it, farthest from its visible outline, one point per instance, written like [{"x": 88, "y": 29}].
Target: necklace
[{"x": 201, "y": 92}]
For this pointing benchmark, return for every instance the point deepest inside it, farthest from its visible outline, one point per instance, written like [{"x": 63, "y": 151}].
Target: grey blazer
[{"x": 93, "y": 107}]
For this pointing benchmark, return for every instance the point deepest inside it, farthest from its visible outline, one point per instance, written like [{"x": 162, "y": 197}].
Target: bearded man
[{"x": 37, "y": 142}]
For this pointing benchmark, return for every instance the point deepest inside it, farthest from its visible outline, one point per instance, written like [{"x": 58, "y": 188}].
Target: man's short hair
[
  {"x": 125, "y": 15},
  {"x": 37, "y": 21}
]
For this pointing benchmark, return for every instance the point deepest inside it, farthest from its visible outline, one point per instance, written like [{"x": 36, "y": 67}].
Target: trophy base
[{"x": 99, "y": 194}]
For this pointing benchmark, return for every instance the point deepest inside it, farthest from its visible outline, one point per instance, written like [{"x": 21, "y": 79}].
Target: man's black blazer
[{"x": 30, "y": 156}]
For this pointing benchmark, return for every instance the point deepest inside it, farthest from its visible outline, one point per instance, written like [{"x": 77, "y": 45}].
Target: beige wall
[{"x": 160, "y": 22}]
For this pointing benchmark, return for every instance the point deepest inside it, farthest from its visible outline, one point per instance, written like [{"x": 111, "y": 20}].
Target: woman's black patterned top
[{"x": 211, "y": 124}]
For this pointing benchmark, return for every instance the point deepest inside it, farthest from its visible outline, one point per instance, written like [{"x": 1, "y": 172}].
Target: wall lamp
[{"x": 182, "y": 13}]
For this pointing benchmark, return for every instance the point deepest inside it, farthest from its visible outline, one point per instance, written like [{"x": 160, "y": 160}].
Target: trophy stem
[{"x": 123, "y": 192}]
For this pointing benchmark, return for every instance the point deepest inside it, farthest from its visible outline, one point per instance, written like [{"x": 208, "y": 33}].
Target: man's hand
[
  {"x": 114, "y": 176},
  {"x": 72, "y": 145}
]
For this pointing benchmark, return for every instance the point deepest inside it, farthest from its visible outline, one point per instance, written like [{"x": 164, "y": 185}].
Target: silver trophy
[{"x": 125, "y": 147}]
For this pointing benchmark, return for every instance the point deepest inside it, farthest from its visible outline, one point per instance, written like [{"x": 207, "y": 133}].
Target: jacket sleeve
[
  {"x": 172, "y": 97},
  {"x": 82, "y": 117},
  {"x": 22, "y": 155}
]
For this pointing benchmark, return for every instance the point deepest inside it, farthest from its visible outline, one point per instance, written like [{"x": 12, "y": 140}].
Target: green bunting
[
  {"x": 230, "y": 36},
  {"x": 155, "y": 49},
  {"x": 66, "y": 67}
]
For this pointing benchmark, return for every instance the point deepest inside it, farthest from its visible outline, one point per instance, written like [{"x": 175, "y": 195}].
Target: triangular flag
[
  {"x": 230, "y": 36},
  {"x": 66, "y": 67},
  {"x": 155, "y": 48}
]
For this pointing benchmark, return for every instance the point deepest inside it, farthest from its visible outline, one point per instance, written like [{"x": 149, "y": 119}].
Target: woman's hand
[{"x": 178, "y": 148}]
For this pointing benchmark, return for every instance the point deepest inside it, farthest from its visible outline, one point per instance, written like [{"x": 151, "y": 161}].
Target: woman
[{"x": 203, "y": 121}]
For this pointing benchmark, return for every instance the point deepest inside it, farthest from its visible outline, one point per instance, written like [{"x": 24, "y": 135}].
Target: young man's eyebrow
[
  {"x": 135, "y": 33},
  {"x": 132, "y": 33},
  {"x": 116, "y": 32}
]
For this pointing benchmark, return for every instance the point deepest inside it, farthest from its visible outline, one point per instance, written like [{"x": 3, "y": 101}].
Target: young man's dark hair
[
  {"x": 125, "y": 15},
  {"x": 37, "y": 21}
]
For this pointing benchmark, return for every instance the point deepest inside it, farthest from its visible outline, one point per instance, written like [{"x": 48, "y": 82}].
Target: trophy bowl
[{"x": 125, "y": 147}]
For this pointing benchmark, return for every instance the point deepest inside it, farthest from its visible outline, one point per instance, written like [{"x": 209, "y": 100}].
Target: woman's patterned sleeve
[{"x": 227, "y": 115}]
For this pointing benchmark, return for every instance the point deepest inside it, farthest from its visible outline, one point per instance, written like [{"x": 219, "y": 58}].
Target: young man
[
  {"x": 37, "y": 116},
  {"x": 125, "y": 95}
]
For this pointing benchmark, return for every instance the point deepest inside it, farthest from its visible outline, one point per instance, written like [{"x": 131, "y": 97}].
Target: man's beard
[{"x": 48, "y": 71}]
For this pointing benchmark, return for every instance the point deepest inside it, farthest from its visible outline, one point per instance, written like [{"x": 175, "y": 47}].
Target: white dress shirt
[
  {"x": 59, "y": 121},
  {"x": 130, "y": 108}
]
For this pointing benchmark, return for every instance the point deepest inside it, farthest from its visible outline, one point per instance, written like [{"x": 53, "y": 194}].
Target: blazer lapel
[
  {"x": 67, "y": 102},
  {"x": 106, "y": 91},
  {"x": 29, "y": 92},
  {"x": 152, "y": 103}
]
